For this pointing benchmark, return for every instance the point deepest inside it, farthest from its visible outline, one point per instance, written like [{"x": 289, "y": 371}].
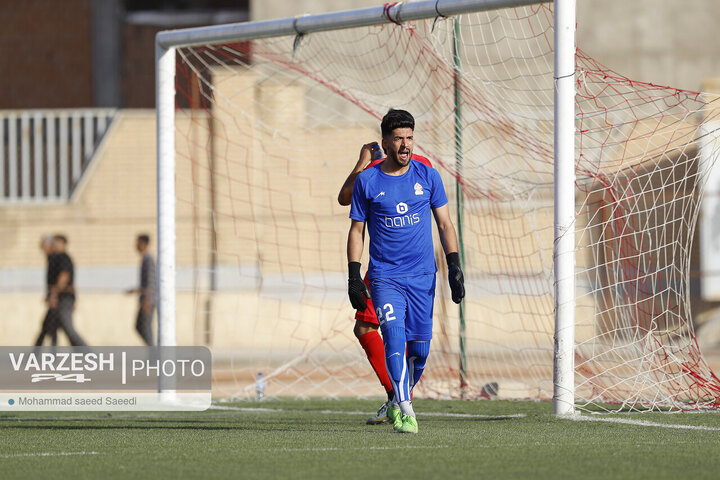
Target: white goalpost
[
  {"x": 577, "y": 192},
  {"x": 564, "y": 216}
]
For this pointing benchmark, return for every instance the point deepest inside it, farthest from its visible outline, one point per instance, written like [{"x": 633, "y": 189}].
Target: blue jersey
[{"x": 398, "y": 212}]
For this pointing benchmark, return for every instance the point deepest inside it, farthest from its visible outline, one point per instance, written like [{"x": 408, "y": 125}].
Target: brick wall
[
  {"x": 46, "y": 54},
  {"x": 138, "y": 79}
]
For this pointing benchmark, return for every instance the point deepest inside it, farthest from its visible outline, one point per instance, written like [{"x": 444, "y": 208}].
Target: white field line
[
  {"x": 641, "y": 423},
  {"x": 644, "y": 423},
  {"x": 342, "y": 412},
  {"x": 334, "y": 449},
  {"x": 47, "y": 454},
  {"x": 246, "y": 409}
]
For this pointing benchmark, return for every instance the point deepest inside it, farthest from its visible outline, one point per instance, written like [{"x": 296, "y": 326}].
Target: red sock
[{"x": 374, "y": 348}]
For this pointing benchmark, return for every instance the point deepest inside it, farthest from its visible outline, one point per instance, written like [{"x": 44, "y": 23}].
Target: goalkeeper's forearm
[
  {"x": 448, "y": 238},
  {"x": 355, "y": 241},
  {"x": 446, "y": 229}
]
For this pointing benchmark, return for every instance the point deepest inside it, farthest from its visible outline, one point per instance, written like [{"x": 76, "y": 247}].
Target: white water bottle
[{"x": 259, "y": 386}]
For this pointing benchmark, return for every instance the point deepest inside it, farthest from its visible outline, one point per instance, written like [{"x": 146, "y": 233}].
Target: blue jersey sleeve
[
  {"x": 359, "y": 206},
  {"x": 438, "y": 197}
]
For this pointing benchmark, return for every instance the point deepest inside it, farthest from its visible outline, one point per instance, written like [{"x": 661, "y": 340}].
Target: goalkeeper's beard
[{"x": 395, "y": 158}]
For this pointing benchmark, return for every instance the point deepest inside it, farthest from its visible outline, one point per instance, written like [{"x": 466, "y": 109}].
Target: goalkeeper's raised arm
[{"x": 367, "y": 153}]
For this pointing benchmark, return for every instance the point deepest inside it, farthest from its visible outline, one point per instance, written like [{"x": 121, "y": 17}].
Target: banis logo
[{"x": 403, "y": 219}]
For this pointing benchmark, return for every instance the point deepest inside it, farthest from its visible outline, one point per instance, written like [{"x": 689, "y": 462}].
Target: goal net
[{"x": 267, "y": 130}]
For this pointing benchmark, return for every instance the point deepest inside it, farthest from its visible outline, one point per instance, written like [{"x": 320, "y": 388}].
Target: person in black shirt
[
  {"x": 49, "y": 327},
  {"x": 61, "y": 298},
  {"x": 147, "y": 290}
]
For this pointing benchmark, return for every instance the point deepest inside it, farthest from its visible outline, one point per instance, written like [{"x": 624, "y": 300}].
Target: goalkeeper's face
[{"x": 399, "y": 146}]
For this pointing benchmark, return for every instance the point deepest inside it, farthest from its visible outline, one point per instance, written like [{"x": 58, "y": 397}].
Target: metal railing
[{"x": 45, "y": 152}]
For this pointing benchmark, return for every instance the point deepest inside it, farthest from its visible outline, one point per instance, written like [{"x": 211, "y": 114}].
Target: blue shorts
[{"x": 405, "y": 301}]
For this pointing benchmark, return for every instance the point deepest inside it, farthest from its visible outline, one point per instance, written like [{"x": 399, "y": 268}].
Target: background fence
[{"x": 45, "y": 152}]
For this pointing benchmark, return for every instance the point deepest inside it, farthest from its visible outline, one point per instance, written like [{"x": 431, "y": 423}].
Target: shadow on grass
[
  {"x": 210, "y": 424},
  {"x": 238, "y": 424}
]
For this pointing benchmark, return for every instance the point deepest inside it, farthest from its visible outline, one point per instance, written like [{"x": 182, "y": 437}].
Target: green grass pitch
[{"x": 328, "y": 439}]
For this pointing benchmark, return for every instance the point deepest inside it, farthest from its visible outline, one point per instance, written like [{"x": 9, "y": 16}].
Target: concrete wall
[
  {"x": 666, "y": 42},
  {"x": 114, "y": 202},
  {"x": 268, "y": 9}
]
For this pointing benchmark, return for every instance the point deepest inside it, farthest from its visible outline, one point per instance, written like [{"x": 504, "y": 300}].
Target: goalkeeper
[
  {"x": 396, "y": 199},
  {"x": 366, "y": 321}
]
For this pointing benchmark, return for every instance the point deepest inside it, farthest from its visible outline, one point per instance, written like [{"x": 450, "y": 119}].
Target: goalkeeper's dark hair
[{"x": 396, "y": 119}]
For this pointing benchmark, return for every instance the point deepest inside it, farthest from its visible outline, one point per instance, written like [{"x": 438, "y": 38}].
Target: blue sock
[
  {"x": 417, "y": 353},
  {"x": 394, "y": 339}
]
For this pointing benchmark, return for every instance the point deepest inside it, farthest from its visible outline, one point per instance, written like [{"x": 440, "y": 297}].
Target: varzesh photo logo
[{"x": 104, "y": 377}]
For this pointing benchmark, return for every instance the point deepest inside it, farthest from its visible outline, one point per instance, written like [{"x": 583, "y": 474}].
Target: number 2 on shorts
[{"x": 389, "y": 311}]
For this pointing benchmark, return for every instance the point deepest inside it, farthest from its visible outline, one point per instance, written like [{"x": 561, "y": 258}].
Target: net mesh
[{"x": 268, "y": 130}]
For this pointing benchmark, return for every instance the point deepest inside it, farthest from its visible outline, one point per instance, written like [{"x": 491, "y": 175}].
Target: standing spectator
[
  {"x": 49, "y": 326},
  {"x": 61, "y": 298},
  {"x": 147, "y": 290}
]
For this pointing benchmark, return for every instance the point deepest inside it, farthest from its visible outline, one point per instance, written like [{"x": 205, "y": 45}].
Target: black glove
[
  {"x": 357, "y": 290},
  {"x": 455, "y": 277}
]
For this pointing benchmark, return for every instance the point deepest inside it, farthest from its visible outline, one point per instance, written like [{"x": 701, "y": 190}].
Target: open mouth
[{"x": 404, "y": 155}]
